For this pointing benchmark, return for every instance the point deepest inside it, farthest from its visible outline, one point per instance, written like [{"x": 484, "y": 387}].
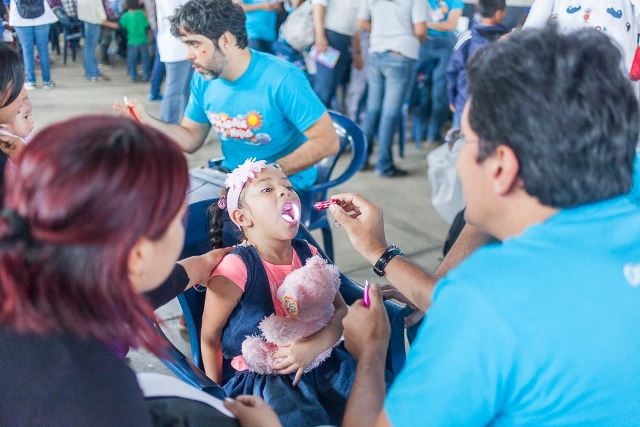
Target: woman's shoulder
[{"x": 91, "y": 384}]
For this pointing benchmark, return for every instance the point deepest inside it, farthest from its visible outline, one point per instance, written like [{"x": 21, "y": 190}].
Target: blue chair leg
[{"x": 327, "y": 240}]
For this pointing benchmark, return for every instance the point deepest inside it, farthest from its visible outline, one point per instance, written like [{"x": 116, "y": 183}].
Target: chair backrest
[
  {"x": 192, "y": 301},
  {"x": 351, "y": 137}
]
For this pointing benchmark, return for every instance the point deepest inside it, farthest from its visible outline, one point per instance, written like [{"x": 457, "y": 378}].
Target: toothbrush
[
  {"x": 367, "y": 300},
  {"x": 324, "y": 205},
  {"x": 131, "y": 109}
]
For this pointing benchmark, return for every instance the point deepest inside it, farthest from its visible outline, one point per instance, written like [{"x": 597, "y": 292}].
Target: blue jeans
[
  {"x": 176, "y": 91},
  {"x": 157, "y": 74},
  {"x": 38, "y": 35},
  {"x": 433, "y": 106},
  {"x": 261, "y": 45},
  {"x": 135, "y": 52},
  {"x": 91, "y": 37},
  {"x": 388, "y": 77},
  {"x": 327, "y": 79}
]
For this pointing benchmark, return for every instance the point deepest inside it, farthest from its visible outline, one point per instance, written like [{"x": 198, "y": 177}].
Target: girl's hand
[
  {"x": 11, "y": 145},
  {"x": 296, "y": 357}
]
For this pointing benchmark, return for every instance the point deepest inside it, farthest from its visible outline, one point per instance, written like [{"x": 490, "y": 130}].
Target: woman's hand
[
  {"x": 199, "y": 268},
  {"x": 296, "y": 357},
  {"x": 252, "y": 411},
  {"x": 11, "y": 145}
]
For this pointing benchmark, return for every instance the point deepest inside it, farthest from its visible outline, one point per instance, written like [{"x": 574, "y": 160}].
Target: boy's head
[
  {"x": 133, "y": 4},
  {"x": 492, "y": 9}
]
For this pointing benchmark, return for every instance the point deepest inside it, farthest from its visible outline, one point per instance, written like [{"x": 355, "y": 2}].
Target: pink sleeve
[{"x": 232, "y": 267}]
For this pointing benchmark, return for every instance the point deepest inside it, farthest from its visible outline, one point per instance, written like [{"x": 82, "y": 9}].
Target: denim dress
[{"x": 321, "y": 395}]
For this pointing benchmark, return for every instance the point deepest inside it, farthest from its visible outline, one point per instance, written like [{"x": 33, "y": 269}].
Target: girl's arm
[
  {"x": 539, "y": 14},
  {"x": 297, "y": 356},
  {"x": 222, "y": 297}
]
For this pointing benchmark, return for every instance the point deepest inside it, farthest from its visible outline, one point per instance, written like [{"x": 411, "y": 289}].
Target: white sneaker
[
  {"x": 30, "y": 85},
  {"x": 49, "y": 85}
]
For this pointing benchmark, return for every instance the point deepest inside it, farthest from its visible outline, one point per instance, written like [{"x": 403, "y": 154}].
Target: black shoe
[
  {"x": 393, "y": 173},
  {"x": 366, "y": 166}
]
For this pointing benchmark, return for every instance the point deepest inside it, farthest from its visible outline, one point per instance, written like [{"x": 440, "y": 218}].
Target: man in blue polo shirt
[
  {"x": 543, "y": 328},
  {"x": 258, "y": 105}
]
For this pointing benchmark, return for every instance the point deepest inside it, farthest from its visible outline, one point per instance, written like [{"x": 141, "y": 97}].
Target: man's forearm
[
  {"x": 368, "y": 391},
  {"x": 418, "y": 285},
  {"x": 322, "y": 142},
  {"x": 185, "y": 138}
]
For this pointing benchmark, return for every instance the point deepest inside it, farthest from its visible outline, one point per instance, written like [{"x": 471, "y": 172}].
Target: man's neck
[
  {"x": 237, "y": 63},
  {"x": 516, "y": 220}
]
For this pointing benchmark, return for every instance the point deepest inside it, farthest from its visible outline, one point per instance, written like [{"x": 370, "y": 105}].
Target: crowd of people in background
[{"x": 372, "y": 61}]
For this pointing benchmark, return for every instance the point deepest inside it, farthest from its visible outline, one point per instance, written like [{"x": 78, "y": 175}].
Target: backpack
[
  {"x": 30, "y": 9},
  {"x": 297, "y": 29}
]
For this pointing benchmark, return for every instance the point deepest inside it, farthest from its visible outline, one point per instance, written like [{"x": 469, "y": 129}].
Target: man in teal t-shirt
[
  {"x": 543, "y": 328},
  {"x": 258, "y": 105}
]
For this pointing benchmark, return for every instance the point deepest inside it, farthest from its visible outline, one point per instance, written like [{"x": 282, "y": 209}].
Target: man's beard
[{"x": 211, "y": 74}]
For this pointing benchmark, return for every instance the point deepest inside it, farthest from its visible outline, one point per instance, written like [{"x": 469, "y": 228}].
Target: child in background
[
  {"x": 16, "y": 133},
  {"x": 136, "y": 25},
  {"x": 487, "y": 30},
  {"x": 242, "y": 291}
]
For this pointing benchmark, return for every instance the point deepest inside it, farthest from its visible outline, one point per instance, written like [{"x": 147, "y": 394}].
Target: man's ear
[
  {"x": 242, "y": 218},
  {"x": 226, "y": 40},
  {"x": 505, "y": 170}
]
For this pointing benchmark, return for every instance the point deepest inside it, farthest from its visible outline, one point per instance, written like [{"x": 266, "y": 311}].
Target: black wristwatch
[{"x": 386, "y": 256}]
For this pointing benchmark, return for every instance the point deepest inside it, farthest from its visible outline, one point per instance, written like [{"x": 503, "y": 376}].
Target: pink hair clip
[{"x": 222, "y": 202}]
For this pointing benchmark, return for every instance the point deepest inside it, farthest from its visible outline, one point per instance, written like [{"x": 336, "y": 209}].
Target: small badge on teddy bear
[{"x": 291, "y": 306}]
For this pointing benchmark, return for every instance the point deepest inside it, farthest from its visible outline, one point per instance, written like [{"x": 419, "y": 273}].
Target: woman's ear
[{"x": 140, "y": 257}]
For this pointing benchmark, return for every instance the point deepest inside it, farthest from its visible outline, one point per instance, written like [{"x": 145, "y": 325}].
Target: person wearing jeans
[
  {"x": 176, "y": 92},
  {"x": 91, "y": 37},
  {"x": 335, "y": 26},
  {"x": 435, "y": 52},
  {"x": 38, "y": 35},
  {"x": 173, "y": 53},
  {"x": 388, "y": 75},
  {"x": 396, "y": 28},
  {"x": 34, "y": 31}
]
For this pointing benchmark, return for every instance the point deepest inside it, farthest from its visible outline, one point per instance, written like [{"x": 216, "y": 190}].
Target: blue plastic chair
[
  {"x": 192, "y": 304},
  {"x": 351, "y": 139},
  {"x": 351, "y": 136}
]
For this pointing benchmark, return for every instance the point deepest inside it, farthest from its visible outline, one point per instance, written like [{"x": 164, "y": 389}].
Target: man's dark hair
[
  {"x": 488, "y": 8},
  {"x": 210, "y": 18},
  {"x": 11, "y": 75},
  {"x": 562, "y": 103}
]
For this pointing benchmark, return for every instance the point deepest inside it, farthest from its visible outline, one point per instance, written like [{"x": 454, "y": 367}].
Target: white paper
[{"x": 158, "y": 385}]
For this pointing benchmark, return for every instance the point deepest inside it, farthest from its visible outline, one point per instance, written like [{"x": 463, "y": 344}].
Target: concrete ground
[{"x": 410, "y": 220}]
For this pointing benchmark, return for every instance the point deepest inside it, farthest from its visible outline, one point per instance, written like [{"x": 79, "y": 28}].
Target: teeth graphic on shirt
[{"x": 240, "y": 127}]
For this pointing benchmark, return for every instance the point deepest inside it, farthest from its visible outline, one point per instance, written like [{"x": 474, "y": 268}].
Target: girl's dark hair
[
  {"x": 216, "y": 223},
  {"x": 88, "y": 189},
  {"x": 11, "y": 75}
]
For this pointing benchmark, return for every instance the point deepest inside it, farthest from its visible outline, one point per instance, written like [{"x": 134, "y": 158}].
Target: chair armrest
[{"x": 184, "y": 369}]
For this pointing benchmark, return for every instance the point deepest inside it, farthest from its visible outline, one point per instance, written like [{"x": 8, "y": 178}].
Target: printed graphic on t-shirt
[
  {"x": 440, "y": 13},
  {"x": 242, "y": 128},
  {"x": 603, "y": 15}
]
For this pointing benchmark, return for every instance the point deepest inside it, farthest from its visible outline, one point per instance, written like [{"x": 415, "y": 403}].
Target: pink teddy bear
[{"x": 306, "y": 295}]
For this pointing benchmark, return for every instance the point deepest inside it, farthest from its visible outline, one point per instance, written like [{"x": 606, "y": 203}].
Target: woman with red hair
[{"x": 92, "y": 219}]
